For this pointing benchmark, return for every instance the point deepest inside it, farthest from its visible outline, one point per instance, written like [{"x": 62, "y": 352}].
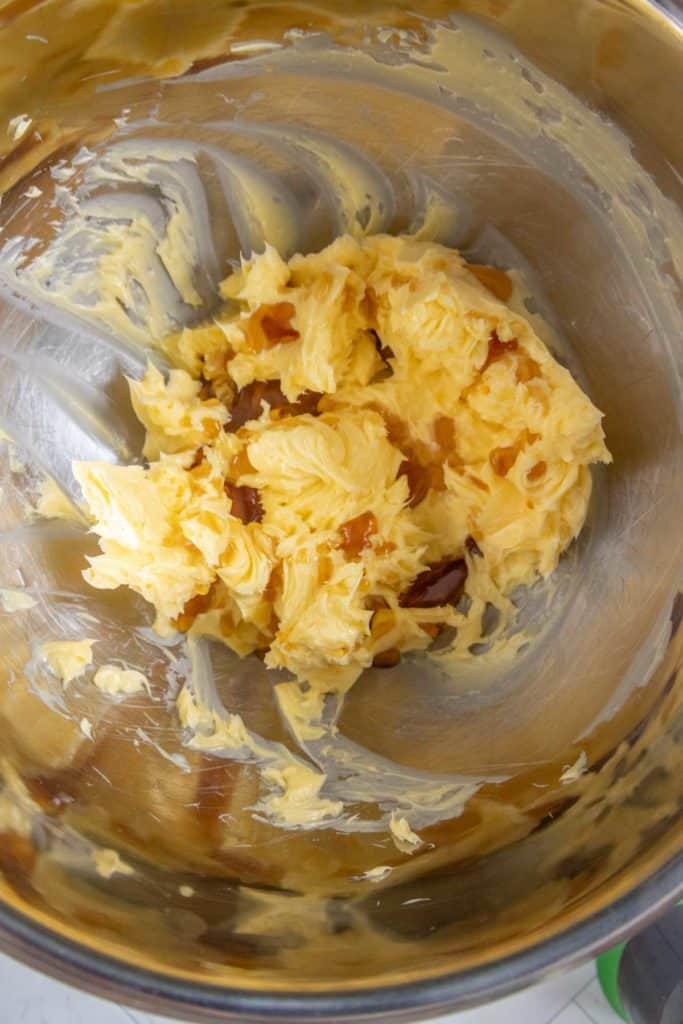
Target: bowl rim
[{"x": 161, "y": 994}]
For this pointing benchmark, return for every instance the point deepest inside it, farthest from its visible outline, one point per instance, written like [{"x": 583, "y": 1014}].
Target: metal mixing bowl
[{"x": 540, "y": 136}]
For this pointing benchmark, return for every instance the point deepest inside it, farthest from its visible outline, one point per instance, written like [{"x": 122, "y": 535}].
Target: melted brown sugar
[{"x": 356, "y": 534}]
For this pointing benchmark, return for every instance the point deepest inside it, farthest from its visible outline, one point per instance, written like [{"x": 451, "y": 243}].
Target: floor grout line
[
  {"x": 570, "y": 1001},
  {"x": 587, "y": 985},
  {"x": 586, "y": 1014},
  {"x": 589, "y": 1015},
  {"x": 561, "y": 1010}
]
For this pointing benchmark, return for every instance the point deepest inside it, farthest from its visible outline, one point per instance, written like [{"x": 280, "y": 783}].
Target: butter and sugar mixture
[{"x": 362, "y": 451}]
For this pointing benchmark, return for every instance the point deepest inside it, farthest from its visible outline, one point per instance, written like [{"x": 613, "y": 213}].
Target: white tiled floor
[
  {"x": 30, "y": 998},
  {"x": 594, "y": 1004}
]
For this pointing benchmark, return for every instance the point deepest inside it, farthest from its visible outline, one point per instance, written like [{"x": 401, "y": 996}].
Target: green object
[{"x": 608, "y": 974}]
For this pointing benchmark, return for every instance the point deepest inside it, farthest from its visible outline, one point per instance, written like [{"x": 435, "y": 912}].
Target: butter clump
[
  {"x": 109, "y": 863},
  {"x": 115, "y": 681},
  {"x": 360, "y": 439},
  {"x": 67, "y": 659}
]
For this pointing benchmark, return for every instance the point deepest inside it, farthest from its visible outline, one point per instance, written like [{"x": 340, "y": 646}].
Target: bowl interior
[{"x": 393, "y": 123}]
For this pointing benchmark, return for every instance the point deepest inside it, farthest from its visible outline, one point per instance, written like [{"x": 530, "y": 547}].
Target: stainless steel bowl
[{"x": 534, "y": 135}]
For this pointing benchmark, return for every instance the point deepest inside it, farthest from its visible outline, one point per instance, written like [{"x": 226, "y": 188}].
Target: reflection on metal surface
[{"x": 217, "y": 126}]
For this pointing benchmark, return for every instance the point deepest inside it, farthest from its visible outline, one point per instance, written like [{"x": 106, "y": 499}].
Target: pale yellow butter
[
  {"x": 116, "y": 681},
  {"x": 109, "y": 863},
  {"x": 67, "y": 659},
  {"x": 391, "y": 345}
]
